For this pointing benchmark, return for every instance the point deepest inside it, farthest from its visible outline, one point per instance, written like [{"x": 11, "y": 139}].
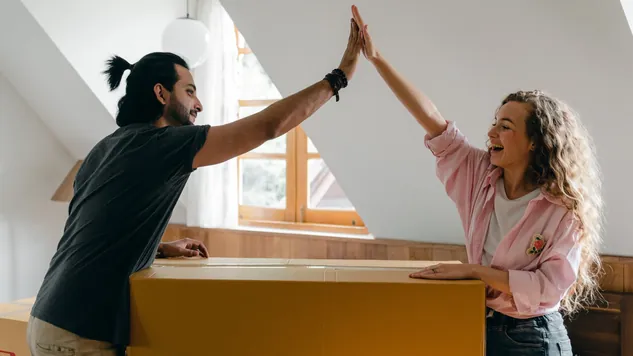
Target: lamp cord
[{"x": 187, "y": 8}]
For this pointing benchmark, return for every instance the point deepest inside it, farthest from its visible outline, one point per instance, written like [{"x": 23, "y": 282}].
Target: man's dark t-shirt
[{"x": 125, "y": 192}]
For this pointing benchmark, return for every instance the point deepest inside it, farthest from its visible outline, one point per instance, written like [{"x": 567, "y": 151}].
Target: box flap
[
  {"x": 229, "y": 261},
  {"x": 286, "y": 273},
  {"x": 21, "y": 315},
  {"x": 25, "y": 301},
  {"x": 9, "y": 308},
  {"x": 219, "y": 261},
  {"x": 261, "y": 273},
  {"x": 408, "y": 264}
]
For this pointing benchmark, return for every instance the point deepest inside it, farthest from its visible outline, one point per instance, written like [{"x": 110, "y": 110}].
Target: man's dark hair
[{"x": 139, "y": 104}]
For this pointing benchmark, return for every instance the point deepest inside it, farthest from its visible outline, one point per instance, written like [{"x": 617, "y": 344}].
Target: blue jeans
[{"x": 543, "y": 336}]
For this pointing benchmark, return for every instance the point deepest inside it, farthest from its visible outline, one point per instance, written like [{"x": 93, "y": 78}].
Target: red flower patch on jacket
[{"x": 537, "y": 245}]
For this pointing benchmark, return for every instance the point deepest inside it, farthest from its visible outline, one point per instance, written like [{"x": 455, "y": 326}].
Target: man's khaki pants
[{"x": 47, "y": 339}]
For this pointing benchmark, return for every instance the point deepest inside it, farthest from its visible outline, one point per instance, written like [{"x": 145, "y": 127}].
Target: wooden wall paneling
[
  {"x": 420, "y": 253},
  {"x": 601, "y": 329},
  {"x": 397, "y": 252},
  {"x": 626, "y": 326},
  {"x": 595, "y": 333},
  {"x": 628, "y": 276},
  {"x": 613, "y": 275},
  {"x": 617, "y": 276}
]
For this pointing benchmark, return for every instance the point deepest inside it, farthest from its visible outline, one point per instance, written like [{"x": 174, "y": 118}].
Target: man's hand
[
  {"x": 370, "y": 52},
  {"x": 446, "y": 271},
  {"x": 185, "y": 247},
  {"x": 350, "y": 57}
]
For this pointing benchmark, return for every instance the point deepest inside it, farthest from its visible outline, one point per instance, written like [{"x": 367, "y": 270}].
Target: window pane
[
  {"x": 323, "y": 190},
  {"x": 311, "y": 147},
  {"x": 263, "y": 183},
  {"x": 277, "y": 145},
  {"x": 253, "y": 82}
]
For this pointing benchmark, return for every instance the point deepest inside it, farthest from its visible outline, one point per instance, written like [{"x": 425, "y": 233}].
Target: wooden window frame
[{"x": 297, "y": 215}]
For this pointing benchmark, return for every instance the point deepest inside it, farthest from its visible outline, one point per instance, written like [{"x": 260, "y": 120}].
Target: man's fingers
[
  {"x": 357, "y": 16},
  {"x": 190, "y": 253},
  {"x": 351, "y": 31},
  {"x": 198, "y": 246},
  {"x": 357, "y": 35},
  {"x": 203, "y": 249}
]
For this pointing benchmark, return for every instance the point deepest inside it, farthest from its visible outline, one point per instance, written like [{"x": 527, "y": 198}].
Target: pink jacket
[{"x": 541, "y": 252}]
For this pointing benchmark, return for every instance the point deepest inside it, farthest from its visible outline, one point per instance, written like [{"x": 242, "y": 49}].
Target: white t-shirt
[{"x": 505, "y": 216}]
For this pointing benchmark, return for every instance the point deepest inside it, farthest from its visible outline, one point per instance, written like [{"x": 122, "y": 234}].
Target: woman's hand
[
  {"x": 369, "y": 50},
  {"x": 494, "y": 278},
  {"x": 350, "y": 57},
  {"x": 446, "y": 271}
]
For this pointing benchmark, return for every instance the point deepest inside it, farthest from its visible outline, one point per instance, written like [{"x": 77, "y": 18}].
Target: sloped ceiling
[
  {"x": 466, "y": 55},
  {"x": 88, "y": 32},
  {"x": 48, "y": 82},
  {"x": 53, "y": 52}
]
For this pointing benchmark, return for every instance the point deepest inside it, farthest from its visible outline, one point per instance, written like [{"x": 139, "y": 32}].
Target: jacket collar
[{"x": 494, "y": 173}]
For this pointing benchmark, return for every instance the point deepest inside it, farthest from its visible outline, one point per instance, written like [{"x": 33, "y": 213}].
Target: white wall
[
  {"x": 43, "y": 76},
  {"x": 88, "y": 32},
  {"x": 466, "y": 55},
  {"x": 32, "y": 165}
]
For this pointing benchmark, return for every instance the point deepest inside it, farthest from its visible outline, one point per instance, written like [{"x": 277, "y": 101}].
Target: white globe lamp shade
[{"x": 189, "y": 39}]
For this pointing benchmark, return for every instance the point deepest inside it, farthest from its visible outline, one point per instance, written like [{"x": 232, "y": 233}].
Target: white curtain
[{"x": 212, "y": 191}]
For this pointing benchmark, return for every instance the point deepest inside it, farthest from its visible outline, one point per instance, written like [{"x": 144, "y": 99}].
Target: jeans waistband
[{"x": 496, "y": 318}]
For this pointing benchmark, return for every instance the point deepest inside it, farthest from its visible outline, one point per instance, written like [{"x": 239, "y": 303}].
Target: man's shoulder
[{"x": 144, "y": 141}]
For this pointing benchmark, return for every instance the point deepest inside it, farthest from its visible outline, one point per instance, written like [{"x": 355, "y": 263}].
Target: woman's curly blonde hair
[{"x": 565, "y": 165}]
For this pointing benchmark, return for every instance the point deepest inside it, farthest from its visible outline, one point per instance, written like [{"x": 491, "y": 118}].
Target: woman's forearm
[
  {"x": 496, "y": 279},
  {"x": 418, "y": 104}
]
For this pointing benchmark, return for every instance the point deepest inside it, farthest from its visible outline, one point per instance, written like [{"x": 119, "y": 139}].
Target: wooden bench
[{"x": 605, "y": 329}]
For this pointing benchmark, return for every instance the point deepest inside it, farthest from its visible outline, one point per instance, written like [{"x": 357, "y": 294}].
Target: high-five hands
[
  {"x": 369, "y": 50},
  {"x": 350, "y": 57}
]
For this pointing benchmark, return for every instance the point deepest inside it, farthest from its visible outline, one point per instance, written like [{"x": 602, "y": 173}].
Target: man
[{"x": 126, "y": 190}]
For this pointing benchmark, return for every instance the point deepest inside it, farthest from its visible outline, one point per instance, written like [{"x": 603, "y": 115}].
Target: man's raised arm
[{"x": 231, "y": 140}]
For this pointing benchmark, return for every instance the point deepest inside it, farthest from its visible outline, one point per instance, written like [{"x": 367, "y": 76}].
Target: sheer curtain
[{"x": 212, "y": 191}]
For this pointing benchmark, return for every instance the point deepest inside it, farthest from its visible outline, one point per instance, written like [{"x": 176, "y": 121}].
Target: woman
[{"x": 530, "y": 206}]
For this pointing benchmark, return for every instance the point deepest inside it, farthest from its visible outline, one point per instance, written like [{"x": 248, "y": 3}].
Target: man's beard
[{"x": 178, "y": 113}]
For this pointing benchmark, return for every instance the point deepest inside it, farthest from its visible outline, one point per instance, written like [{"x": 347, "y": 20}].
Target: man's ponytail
[{"x": 115, "y": 66}]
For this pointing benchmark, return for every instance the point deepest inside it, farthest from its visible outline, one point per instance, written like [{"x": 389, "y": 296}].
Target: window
[{"x": 284, "y": 182}]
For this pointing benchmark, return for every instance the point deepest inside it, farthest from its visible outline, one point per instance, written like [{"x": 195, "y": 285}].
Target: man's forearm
[
  {"x": 496, "y": 279},
  {"x": 286, "y": 114}
]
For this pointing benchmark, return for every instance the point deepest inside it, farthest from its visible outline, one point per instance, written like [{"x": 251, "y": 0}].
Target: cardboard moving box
[
  {"x": 14, "y": 318},
  {"x": 234, "y": 261},
  {"x": 308, "y": 307}
]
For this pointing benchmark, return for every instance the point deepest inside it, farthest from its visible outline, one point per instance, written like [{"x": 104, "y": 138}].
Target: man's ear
[{"x": 161, "y": 93}]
